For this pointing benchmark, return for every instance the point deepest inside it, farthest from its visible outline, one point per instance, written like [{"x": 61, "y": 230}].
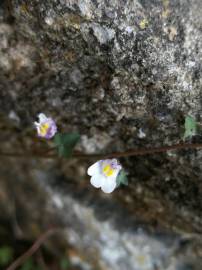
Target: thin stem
[
  {"x": 132, "y": 152},
  {"x": 20, "y": 260},
  {"x": 162, "y": 149}
]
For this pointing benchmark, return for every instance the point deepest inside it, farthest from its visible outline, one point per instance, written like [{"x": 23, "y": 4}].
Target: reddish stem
[
  {"x": 132, "y": 152},
  {"x": 20, "y": 260}
]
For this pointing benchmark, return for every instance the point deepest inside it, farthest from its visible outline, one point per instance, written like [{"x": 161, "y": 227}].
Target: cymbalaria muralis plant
[
  {"x": 105, "y": 174},
  {"x": 108, "y": 174}
]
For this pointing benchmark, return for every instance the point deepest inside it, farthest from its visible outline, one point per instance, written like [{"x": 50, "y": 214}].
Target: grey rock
[{"x": 107, "y": 69}]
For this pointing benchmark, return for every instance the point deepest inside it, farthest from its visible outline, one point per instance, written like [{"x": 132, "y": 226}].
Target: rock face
[{"x": 124, "y": 74}]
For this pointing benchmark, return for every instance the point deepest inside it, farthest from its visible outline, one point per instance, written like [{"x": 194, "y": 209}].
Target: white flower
[
  {"x": 104, "y": 173},
  {"x": 46, "y": 127}
]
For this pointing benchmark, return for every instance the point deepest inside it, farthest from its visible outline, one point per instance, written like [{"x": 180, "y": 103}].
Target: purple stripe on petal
[{"x": 52, "y": 130}]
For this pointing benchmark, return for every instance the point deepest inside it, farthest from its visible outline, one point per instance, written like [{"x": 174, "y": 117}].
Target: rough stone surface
[{"x": 124, "y": 74}]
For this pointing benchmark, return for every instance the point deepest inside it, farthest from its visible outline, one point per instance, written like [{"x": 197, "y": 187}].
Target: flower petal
[
  {"x": 108, "y": 185},
  {"x": 52, "y": 130},
  {"x": 96, "y": 180},
  {"x": 117, "y": 171},
  {"x": 38, "y": 130},
  {"x": 94, "y": 169},
  {"x": 36, "y": 124},
  {"x": 42, "y": 117}
]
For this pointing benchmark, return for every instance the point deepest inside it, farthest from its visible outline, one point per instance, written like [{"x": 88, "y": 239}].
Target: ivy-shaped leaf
[
  {"x": 66, "y": 143},
  {"x": 122, "y": 178},
  {"x": 64, "y": 264},
  {"x": 190, "y": 127}
]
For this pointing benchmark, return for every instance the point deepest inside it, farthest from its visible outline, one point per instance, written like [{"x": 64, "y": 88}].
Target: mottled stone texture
[{"x": 123, "y": 73}]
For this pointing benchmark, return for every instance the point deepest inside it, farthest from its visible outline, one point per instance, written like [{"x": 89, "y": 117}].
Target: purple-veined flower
[
  {"x": 46, "y": 127},
  {"x": 104, "y": 173}
]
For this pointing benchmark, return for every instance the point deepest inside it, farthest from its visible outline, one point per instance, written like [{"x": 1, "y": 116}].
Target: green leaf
[
  {"x": 64, "y": 264},
  {"x": 64, "y": 151},
  {"x": 66, "y": 143},
  {"x": 6, "y": 255},
  {"x": 122, "y": 178},
  {"x": 190, "y": 127}
]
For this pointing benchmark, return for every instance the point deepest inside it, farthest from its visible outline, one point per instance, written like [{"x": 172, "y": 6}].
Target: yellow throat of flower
[
  {"x": 108, "y": 170},
  {"x": 44, "y": 129}
]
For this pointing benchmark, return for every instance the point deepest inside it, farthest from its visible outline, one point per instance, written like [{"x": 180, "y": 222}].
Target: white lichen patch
[
  {"x": 86, "y": 8},
  {"x": 102, "y": 33},
  {"x": 130, "y": 29},
  {"x": 96, "y": 143},
  {"x": 49, "y": 20}
]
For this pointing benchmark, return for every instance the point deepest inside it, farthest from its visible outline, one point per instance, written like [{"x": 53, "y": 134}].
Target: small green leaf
[
  {"x": 122, "y": 178},
  {"x": 66, "y": 143},
  {"x": 190, "y": 127},
  {"x": 69, "y": 139},
  {"x": 6, "y": 255},
  {"x": 64, "y": 151},
  {"x": 64, "y": 264}
]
